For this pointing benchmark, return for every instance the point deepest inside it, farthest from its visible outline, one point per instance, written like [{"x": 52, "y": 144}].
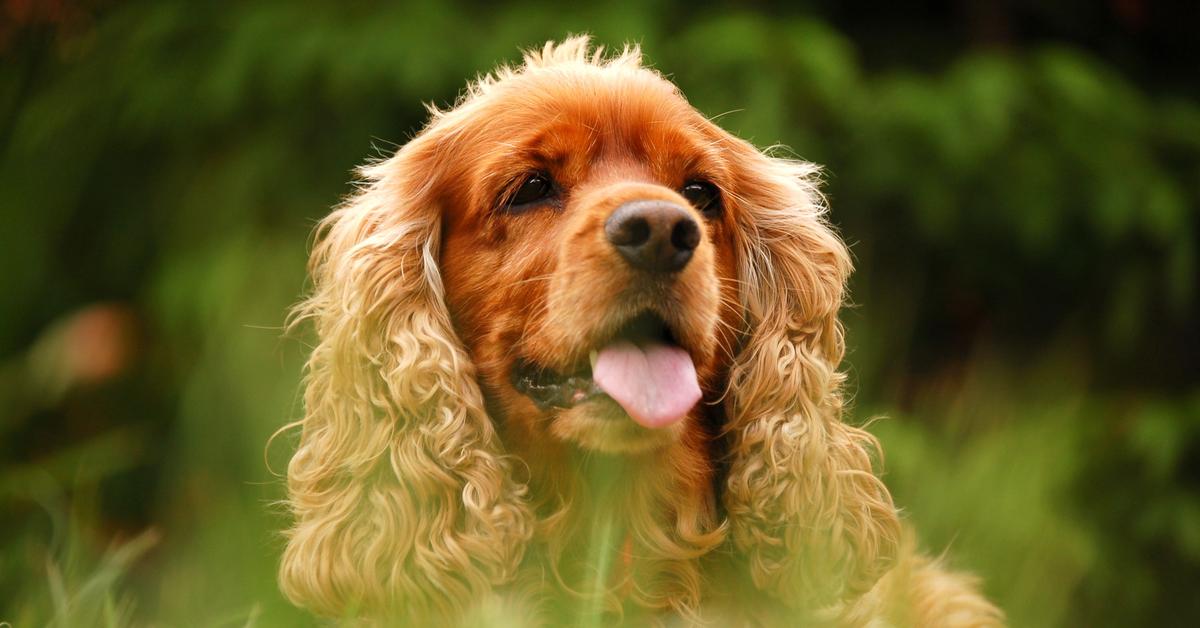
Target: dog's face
[{"x": 588, "y": 258}]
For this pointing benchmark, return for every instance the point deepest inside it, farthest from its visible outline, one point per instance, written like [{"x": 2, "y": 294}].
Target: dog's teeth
[{"x": 592, "y": 356}]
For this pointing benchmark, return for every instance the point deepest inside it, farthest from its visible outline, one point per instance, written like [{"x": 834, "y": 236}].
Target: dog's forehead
[
  {"x": 578, "y": 121},
  {"x": 594, "y": 109}
]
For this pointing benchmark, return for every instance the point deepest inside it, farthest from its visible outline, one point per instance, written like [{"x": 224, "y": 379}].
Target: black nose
[{"x": 654, "y": 236}]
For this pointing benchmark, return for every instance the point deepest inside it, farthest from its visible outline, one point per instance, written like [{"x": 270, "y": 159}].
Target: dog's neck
[{"x": 626, "y": 530}]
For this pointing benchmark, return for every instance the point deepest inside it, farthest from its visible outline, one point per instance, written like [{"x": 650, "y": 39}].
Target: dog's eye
[
  {"x": 704, "y": 196},
  {"x": 536, "y": 188}
]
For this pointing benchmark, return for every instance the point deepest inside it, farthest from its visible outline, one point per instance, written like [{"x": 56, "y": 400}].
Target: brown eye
[
  {"x": 704, "y": 196},
  {"x": 535, "y": 189}
]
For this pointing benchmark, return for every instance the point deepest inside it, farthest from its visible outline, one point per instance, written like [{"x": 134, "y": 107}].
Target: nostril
[
  {"x": 636, "y": 231},
  {"x": 685, "y": 236},
  {"x": 628, "y": 231}
]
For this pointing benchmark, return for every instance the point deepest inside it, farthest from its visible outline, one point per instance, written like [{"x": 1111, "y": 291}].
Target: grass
[{"x": 983, "y": 473}]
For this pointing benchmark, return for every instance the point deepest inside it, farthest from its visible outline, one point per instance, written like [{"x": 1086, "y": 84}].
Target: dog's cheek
[{"x": 717, "y": 301}]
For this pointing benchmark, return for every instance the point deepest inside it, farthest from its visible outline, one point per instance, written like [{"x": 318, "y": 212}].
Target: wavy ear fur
[
  {"x": 816, "y": 525},
  {"x": 405, "y": 506}
]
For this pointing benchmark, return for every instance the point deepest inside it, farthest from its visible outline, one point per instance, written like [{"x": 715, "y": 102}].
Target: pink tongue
[{"x": 654, "y": 383}]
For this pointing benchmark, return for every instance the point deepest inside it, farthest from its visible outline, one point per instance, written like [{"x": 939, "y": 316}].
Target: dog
[{"x": 578, "y": 348}]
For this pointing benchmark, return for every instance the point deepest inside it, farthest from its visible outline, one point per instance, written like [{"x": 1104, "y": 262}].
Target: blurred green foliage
[{"x": 1024, "y": 221}]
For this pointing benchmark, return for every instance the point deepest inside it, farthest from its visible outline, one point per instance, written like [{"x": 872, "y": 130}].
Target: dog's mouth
[{"x": 642, "y": 367}]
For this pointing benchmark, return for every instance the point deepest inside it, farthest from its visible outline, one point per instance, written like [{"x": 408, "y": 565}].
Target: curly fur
[
  {"x": 425, "y": 490},
  {"x": 817, "y": 524},
  {"x": 403, "y": 500}
]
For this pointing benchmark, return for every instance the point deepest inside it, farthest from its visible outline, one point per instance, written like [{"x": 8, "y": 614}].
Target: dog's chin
[{"x": 600, "y": 424}]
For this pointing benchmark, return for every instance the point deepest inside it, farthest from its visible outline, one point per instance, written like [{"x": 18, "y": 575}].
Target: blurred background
[{"x": 1019, "y": 182}]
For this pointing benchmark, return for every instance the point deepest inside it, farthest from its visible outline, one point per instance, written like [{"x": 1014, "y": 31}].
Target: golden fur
[{"x": 427, "y": 489}]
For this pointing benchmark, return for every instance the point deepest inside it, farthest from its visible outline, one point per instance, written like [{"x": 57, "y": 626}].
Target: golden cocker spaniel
[{"x": 577, "y": 360}]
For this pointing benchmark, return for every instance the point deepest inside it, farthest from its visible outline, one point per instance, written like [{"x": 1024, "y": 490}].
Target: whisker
[
  {"x": 533, "y": 279},
  {"x": 722, "y": 115}
]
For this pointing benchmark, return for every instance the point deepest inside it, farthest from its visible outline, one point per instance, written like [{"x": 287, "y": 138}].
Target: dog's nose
[{"x": 654, "y": 236}]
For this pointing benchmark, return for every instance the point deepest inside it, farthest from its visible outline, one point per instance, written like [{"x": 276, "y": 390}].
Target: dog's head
[
  {"x": 588, "y": 252},
  {"x": 576, "y": 249}
]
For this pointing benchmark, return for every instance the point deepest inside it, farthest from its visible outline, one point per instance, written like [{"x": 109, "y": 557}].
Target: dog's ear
[
  {"x": 404, "y": 504},
  {"x": 814, "y": 522}
]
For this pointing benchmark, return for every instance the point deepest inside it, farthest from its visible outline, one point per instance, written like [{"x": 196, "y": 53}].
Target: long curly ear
[
  {"x": 404, "y": 505},
  {"x": 805, "y": 507}
]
